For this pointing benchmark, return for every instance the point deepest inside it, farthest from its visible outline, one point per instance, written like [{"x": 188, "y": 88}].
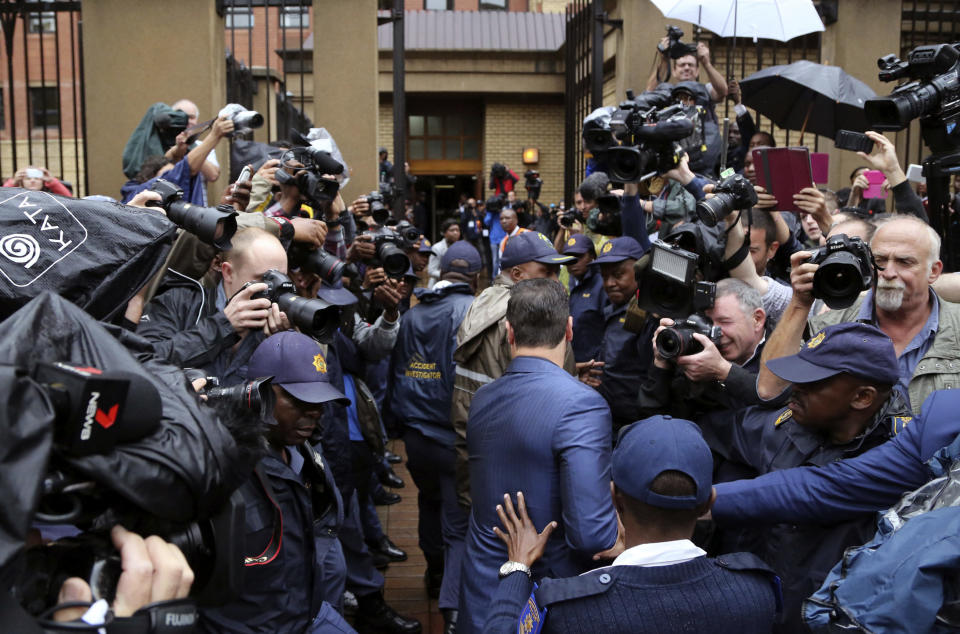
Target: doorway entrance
[{"x": 440, "y": 197}]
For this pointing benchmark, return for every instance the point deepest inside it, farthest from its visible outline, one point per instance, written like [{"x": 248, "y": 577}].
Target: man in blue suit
[{"x": 539, "y": 429}]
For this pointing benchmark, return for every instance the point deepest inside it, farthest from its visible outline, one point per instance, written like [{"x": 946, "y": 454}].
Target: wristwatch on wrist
[{"x": 513, "y": 566}]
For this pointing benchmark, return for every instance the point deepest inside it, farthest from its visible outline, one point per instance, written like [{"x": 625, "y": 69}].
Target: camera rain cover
[
  {"x": 95, "y": 254},
  {"x": 182, "y": 469}
]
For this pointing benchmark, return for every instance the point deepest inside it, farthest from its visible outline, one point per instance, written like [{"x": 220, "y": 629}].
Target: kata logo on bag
[{"x": 36, "y": 232}]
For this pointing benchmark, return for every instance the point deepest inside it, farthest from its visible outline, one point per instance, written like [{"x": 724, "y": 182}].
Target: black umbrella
[{"x": 808, "y": 96}]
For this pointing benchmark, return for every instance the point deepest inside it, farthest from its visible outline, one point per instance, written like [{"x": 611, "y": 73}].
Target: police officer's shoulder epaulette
[
  {"x": 748, "y": 562},
  {"x": 897, "y": 423},
  {"x": 558, "y": 590},
  {"x": 783, "y": 417}
]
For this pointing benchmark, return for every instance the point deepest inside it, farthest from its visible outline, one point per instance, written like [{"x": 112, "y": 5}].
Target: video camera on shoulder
[
  {"x": 846, "y": 269},
  {"x": 933, "y": 94},
  {"x": 215, "y": 226},
  {"x": 675, "y": 48},
  {"x": 95, "y": 411},
  {"x": 649, "y": 128}
]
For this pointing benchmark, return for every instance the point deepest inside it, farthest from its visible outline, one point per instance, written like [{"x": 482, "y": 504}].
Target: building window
[
  {"x": 438, "y": 5},
  {"x": 44, "y": 107},
  {"x": 295, "y": 17},
  {"x": 44, "y": 22},
  {"x": 239, "y": 18},
  {"x": 444, "y": 137},
  {"x": 493, "y": 5}
]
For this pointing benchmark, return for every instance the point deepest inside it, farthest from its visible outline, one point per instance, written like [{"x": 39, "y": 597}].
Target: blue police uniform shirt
[
  {"x": 626, "y": 356},
  {"x": 587, "y": 302}
]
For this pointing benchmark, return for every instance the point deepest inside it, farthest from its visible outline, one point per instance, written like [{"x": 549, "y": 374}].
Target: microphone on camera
[{"x": 96, "y": 410}]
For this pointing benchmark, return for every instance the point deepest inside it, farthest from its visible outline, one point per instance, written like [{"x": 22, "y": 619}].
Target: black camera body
[
  {"x": 570, "y": 216},
  {"x": 498, "y": 170},
  {"x": 378, "y": 210},
  {"x": 846, "y": 269},
  {"x": 649, "y": 135},
  {"x": 732, "y": 193},
  {"x": 316, "y": 189},
  {"x": 669, "y": 284},
  {"x": 255, "y": 395},
  {"x": 391, "y": 251},
  {"x": 677, "y": 49},
  {"x": 533, "y": 183},
  {"x": 313, "y": 317},
  {"x": 678, "y": 340},
  {"x": 215, "y": 226},
  {"x": 320, "y": 262},
  {"x": 933, "y": 95},
  {"x": 494, "y": 205}
]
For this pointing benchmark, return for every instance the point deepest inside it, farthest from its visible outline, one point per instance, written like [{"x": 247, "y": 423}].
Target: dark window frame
[
  {"x": 52, "y": 103},
  {"x": 493, "y": 5},
  {"x": 231, "y": 15}
]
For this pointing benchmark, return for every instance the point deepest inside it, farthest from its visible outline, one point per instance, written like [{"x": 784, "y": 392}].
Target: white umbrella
[{"x": 769, "y": 19}]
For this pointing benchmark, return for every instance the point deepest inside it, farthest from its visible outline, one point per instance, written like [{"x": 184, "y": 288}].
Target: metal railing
[{"x": 41, "y": 78}]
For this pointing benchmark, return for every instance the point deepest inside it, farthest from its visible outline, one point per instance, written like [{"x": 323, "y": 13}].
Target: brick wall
[{"x": 508, "y": 128}]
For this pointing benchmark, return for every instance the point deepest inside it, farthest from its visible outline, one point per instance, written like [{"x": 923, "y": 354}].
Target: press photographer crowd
[{"x": 709, "y": 395}]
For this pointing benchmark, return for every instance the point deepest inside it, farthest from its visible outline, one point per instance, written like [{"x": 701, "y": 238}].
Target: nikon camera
[{"x": 846, "y": 270}]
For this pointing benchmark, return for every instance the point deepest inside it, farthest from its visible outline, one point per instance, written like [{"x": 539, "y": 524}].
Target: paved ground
[{"x": 405, "y": 589}]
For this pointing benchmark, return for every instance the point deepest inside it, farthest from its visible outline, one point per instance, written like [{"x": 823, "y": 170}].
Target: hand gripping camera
[
  {"x": 846, "y": 269},
  {"x": 313, "y": 317},
  {"x": 678, "y": 341},
  {"x": 732, "y": 193}
]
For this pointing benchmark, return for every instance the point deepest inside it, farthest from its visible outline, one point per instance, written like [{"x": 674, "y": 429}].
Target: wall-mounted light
[{"x": 531, "y": 156}]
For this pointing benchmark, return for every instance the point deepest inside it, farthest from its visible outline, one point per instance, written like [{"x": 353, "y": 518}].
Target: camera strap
[
  {"x": 734, "y": 260},
  {"x": 276, "y": 539}
]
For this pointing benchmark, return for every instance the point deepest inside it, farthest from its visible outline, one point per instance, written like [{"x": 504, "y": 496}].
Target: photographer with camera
[
  {"x": 215, "y": 326},
  {"x": 900, "y": 301},
  {"x": 502, "y": 179},
  {"x": 722, "y": 374}
]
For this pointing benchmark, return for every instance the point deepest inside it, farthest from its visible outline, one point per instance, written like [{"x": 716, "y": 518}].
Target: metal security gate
[
  {"x": 271, "y": 39},
  {"x": 41, "y": 90},
  {"x": 579, "y": 91}
]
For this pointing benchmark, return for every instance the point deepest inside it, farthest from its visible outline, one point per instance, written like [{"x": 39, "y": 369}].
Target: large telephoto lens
[{"x": 211, "y": 225}]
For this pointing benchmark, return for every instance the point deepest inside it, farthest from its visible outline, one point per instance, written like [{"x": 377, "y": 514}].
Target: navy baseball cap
[
  {"x": 297, "y": 365},
  {"x": 461, "y": 250},
  {"x": 578, "y": 244},
  {"x": 618, "y": 250},
  {"x": 651, "y": 446},
  {"x": 531, "y": 246},
  {"x": 425, "y": 245},
  {"x": 336, "y": 295},
  {"x": 853, "y": 347}
]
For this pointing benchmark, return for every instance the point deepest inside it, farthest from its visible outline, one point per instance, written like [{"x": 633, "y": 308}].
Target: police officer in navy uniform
[
  {"x": 419, "y": 395},
  {"x": 841, "y": 404},
  {"x": 624, "y": 355},
  {"x": 661, "y": 582},
  {"x": 587, "y": 298},
  {"x": 294, "y": 569}
]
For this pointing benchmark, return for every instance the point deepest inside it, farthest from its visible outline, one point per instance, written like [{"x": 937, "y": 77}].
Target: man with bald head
[
  {"x": 211, "y": 167},
  {"x": 923, "y": 327},
  {"x": 216, "y": 325}
]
